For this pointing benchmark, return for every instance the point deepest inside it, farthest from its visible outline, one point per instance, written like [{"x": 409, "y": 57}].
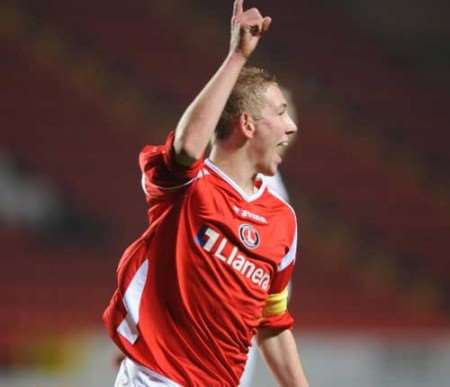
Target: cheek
[
  {"x": 266, "y": 138},
  {"x": 263, "y": 151},
  {"x": 262, "y": 139}
]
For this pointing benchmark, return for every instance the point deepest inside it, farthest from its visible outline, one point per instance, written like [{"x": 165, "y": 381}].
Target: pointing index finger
[{"x": 238, "y": 7}]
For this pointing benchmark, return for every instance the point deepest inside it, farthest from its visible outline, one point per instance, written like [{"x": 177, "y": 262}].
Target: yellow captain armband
[{"x": 276, "y": 303}]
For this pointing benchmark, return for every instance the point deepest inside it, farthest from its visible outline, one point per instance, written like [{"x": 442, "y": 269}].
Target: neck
[{"x": 235, "y": 163}]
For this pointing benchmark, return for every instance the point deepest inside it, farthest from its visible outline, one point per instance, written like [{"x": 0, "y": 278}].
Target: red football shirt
[{"x": 211, "y": 268}]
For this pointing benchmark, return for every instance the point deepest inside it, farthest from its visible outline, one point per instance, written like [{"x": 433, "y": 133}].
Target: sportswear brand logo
[
  {"x": 214, "y": 243},
  {"x": 249, "y": 236},
  {"x": 245, "y": 214}
]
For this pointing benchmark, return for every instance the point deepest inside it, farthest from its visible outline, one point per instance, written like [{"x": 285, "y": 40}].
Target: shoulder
[
  {"x": 151, "y": 155},
  {"x": 277, "y": 201}
]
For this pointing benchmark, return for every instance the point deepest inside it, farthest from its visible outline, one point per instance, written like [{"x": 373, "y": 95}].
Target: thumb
[{"x": 267, "y": 21}]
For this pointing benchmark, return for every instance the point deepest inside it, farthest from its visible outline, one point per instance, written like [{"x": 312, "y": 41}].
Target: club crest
[{"x": 249, "y": 236}]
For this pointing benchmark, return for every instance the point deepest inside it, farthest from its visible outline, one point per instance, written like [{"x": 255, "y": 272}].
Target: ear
[{"x": 246, "y": 125}]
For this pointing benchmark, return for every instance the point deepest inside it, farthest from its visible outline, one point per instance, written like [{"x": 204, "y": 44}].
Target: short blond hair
[{"x": 246, "y": 96}]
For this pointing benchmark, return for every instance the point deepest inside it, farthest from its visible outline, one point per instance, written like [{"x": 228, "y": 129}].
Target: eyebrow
[{"x": 283, "y": 106}]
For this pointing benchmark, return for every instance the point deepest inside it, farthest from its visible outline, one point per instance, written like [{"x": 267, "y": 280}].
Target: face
[{"x": 273, "y": 131}]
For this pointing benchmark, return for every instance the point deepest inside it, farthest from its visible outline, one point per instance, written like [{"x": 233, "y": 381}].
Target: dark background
[{"x": 85, "y": 84}]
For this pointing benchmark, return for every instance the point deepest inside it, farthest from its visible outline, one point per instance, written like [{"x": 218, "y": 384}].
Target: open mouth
[
  {"x": 282, "y": 145},
  {"x": 281, "y": 148}
]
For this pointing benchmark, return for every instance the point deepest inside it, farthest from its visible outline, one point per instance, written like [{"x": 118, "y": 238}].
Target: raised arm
[
  {"x": 198, "y": 122},
  {"x": 280, "y": 353}
]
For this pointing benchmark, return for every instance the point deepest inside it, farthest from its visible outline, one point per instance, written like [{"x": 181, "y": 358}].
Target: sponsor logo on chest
[
  {"x": 216, "y": 244},
  {"x": 245, "y": 214}
]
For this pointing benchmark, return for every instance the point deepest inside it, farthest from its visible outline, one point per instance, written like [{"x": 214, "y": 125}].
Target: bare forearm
[
  {"x": 197, "y": 124},
  {"x": 280, "y": 353}
]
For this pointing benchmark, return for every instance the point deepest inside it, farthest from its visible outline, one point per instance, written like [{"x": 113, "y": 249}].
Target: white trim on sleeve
[
  {"x": 290, "y": 256},
  {"x": 145, "y": 182}
]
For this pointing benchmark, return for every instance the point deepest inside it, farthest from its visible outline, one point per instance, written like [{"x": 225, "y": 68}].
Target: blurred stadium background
[{"x": 85, "y": 84}]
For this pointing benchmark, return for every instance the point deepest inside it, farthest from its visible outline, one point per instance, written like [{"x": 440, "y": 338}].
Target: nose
[{"x": 291, "y": 127}]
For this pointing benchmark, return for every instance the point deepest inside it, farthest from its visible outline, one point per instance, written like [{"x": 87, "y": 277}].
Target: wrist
[{"x": 237, "y": 57}]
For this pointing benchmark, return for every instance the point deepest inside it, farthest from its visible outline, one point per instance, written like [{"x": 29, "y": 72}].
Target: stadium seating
[{"x": 68, "y": 129}]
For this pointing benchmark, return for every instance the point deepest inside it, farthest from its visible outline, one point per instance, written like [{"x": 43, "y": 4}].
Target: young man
[
  {"x": 212, "y": 269},
  {"x": 274, "y": 183}
]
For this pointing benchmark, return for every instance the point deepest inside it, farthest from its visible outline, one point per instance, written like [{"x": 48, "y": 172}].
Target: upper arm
[
  {"x": 186, "y": 150},
  {"x": 275, "y": 312}
]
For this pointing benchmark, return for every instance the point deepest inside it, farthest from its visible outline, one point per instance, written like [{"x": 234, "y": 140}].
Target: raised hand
[{"x": 247, "y": 27}]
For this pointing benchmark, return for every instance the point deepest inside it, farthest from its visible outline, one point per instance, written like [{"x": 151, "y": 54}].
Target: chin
[
  {"x": 269, "y": 170},
  {"x": 269, "y": 167}
]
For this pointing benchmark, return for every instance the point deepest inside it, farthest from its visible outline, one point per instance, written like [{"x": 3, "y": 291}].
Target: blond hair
[{"x": 246, "y": 96}]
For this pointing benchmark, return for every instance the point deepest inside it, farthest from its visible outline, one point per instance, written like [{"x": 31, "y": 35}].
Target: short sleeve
[
  {"x": 160, "y": 170},
  {"x": 275, "y": 312}
]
